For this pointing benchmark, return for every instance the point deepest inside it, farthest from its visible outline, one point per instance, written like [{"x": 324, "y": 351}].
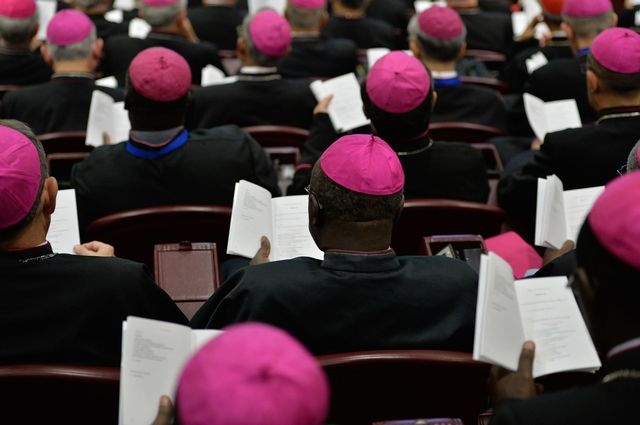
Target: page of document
[
  {"x": 46, "y": 11},
  {"x": 64, "y": 231},
  {"x": 345, "y": 109},
  {"x": 124, "y": 4},
  {"x": 109, "y": 81},
  {"x": 291, "y": 237},
  {"x": 551, "y": 319},
  {"x": 547, "y": 117},
  {"x": 101, "y": 119},
  {"x": 139, "y": 28},
  {"x": 422, "y": 5},
  {"x": 153, "y": 353},
  {"x": 577, "y": 204},
  {"x": 121, "y": 124},
  {"x": 277, "y": 5},
  {"x": 250, "y": 219},
  {"x": 554, "y": 225},
  {"x": 211, "y": 75},
  {"x": 499, "y": 334}
]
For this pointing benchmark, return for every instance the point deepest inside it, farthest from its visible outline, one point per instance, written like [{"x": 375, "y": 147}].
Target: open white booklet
[
  {"x": 345, "y": 109},
  {"x": 560, "y": 213},
  {"x": 106, "y": 116},
  {"x": 375, "y": 53},
  {"x": 547, "y": 117},
  {"x": 543, "y": 310},
  {"x": 257, "y": 5},
  {"x": 64, "y": 231},
  {"x": 153, "y": 354},
  {"x": 284, "y": 220}
]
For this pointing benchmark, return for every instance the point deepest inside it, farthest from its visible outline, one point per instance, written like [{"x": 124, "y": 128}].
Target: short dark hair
[
  {"x": 149, "y": 115},
  {"x": 355, "y": 4},
  {"x": 620, "y": 83},
  {"x": 343, "y": 205},
  {"x": 10, "y": 232}
]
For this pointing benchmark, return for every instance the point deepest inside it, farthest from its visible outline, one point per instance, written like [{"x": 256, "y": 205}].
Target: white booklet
[
  {"x": 257, "y": 5},
  {"x": 139, "y": 28},
  {"x": 46, "y": 11},
  {"x": 543, "y": 310},
  {"x": 211, "y": 76},
  {"x": 547, "y": 117},
  {"x": 153, "y": 355},
  {"x": 560, "y": 213},
  {"x": 375, "y": 53},
  {"x": 284, "y": 220},
  {"x": 345, "y": 109},
  {"x": 422, "y": 5},
  {"x": 64, "y": 231},
  {"x": 106, "y": 116}
]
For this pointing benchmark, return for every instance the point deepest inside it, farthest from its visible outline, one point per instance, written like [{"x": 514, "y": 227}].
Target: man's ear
[
  {"x": 415, "y": 49},
  {"x": 46, "y": 54},
  {"x": 462, "y": 51},
  {"x": 316, "y": 218},
  {"x": 593, "y": 83},
  {"x": 434, "y": 98},
  {"x": 324, "y": 20},
  {"x": 49, "y": 194},
  {"x": 96, "y": 49},
  {"x": 241, "y": 47},
  {"x": 568, "y": 30}
]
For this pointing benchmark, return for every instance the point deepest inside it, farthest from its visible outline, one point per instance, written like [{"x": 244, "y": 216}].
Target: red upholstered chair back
[
  {"x": 427, "y": 217},
  {"x": 134, "y": 233},
  {"x": 64, "y": 141},
  {"x": 69, "y": 394},
  {"x": 491, "y": 83},
  {"x": 398, "y": 384},
  {"x": 452, "y": 131},
  {"x": 60, "y": 165}
]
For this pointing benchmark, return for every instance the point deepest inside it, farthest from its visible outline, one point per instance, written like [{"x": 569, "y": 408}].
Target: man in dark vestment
[
  {"x": 162, "y": 163},
  {"x": 60, "y": 308},
  {"x": 361, "y": 296},
  {"x": 606, "y": 287},
  {"x": 216, "y": 21},
  {"x": 19, "y": 64},
  {"x": 486, "y": 30},
  {"x": 95, "y": 10},
  {"x": 62, "y": 104},
  {"x": 349, "y": 20}
]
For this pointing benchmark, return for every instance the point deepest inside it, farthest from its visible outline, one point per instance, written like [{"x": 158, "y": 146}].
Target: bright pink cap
[
  {"x": 398, "y": 83},
  {"x": 159, "y": 3},
  {"x": 19, "y": 176},
  {"x": 69, "y": 26},
  {"x": 17, "y": 9},
  {"x": 441, "y": 22},
  {"x": 309, "y": 4},
  {"x": 363, "y": 163},
  {"x": 618, "y": 50},
  {"x": 615, "y": 218},
  {"x": 585, "y": 8},
  {"x": 252, "y": 374},
  {"x": 514, "y": 250},
  {"x": 270, "y": 33},
  {"x": 160, "y": 74}
]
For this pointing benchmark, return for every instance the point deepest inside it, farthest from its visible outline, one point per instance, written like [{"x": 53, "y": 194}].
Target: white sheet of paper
[
  {"x": 211, "y": 75},
  {"x": 64, "y": 231},
  {"x": 115, "y": 15},
  {"x": 422, "y": 5},
  {"x": 375, "y": 53},
  {"x": 577, "y": 204},
  {"x": 277, "y": 5},
  {"x": 250, "y": 219},
  {"x": 139, "y": 28},
  {"x": 121, "y": 124},
  {"x": 636, "y": 18},
  {"x": 106, "y": 116},
  {"x": 291, "y": 229},
  {"x": 345, "y": 109},
  {"x": 124, "y": 4},
  {"x": 46, "y": 10},
  {"x": 110, "y": 82},
  {"x": 536, "y": 61},
  {"x": 547, "y": 117}
]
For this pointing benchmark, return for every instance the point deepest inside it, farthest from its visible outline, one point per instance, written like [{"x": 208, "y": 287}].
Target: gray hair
[
  {"x": 436, "y": 48},
  {"x": 18, "y": 31},
  {"x": 304, "y": 18},
  {"x": 159, "y": 16},
  {"x": 632, "y": 160},
  {"x": 256, "y": 55},
  {"x": 590, "y": 26},
  {"x": 75, "y": 51}
]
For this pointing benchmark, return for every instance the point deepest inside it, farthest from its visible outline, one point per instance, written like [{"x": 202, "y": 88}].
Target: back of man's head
[
  {"x": 18, "y": 21},
  {"x": 266, "y": 36},
  {"x": 70, "y": 36},
  {"x": 159, "y": 13},
  {"x": 157, "y": 89},
  {"x": 588, "y": 18},
  {"x": 355, "y": 4},
  {"x": 439, "y": 33},
  {"x": 398, "y": 97},
  {"x": 306, "y": 14},
  {"x": 614, "y": 58},
  {"x": 23, "y": 171}
]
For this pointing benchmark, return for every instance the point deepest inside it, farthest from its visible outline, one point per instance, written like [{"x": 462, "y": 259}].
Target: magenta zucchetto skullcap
[
  {"x": 17, "y": 9},
  {"x": 69, "y": 26},
  {"x": 615, "y": 218},
  {"x": 160, "y": 74},
  {"x": 309, "y": 4},
  {"x": 19, "y": 176},
  {"x": 440, "y": 22},
  {"x": 618, "y": 50},
  {"x": 270, "y": 33},
  {"x": 364, "y": 164},
  {"x": 585, "y": 8},
  {"x": 159, "y": 3},
  {"x": 398, "y": 83},
  {"x": 252, "y": 374}
]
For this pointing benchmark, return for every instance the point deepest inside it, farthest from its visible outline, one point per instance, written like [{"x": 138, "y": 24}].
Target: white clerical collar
[
  {"x": 444, "y": 75},
  {"x": 625, "y": 346},
  {"x": 258, "y": 70}
]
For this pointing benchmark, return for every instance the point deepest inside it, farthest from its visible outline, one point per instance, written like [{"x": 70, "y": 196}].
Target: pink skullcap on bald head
[
  {"x": 160, "y": 74},
  {"x": 309, "y": 4},
  {"x": 270, "y": 33},
  {"x": 17, "y": 9},
  {"x": 69, "y": 26},
  {"x": 159, "y": 3},
  {"x": 398, "y": 83},
  {"x": 615, "y": 218},
  {"x": 441, "y": 22},
  {"x": 585, "y": 8},
  {"x": 364, "y": 164},
  {"x": 252, "y": 374},
  {"x": 618, "y": 50},
  {"x": 19, "y": 176}
]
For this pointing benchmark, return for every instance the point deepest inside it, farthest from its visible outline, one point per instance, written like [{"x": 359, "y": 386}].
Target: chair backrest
[
  {"x": 6, "y": 88},
  {"x": 432, "y": 421},
  {"x": 431, "y": 245},
  {"x": 64, "y": 141},
  {"x": 494, "y": 61},
  {"x": 230, "y": 60},
  {"x": 492, "y": 83},
  {"x": 188, "y": 272},
  {"x": 491, "y": 158},
  {"x": 386, "y": 385},
  {"x": 60, "y": 165},
  {"x": 276, "y": 136},
  {"x": 68, "y": 394},
  {"x": 427, "y": 217},
  {"x": 452, "y": 131},
  {"x": 134, "y": 233}
]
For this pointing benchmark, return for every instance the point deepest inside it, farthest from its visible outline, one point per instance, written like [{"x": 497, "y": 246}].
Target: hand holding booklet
[
  {"x": 284, "y": 220},
  {"x": 345, "y": 109},
  {"x": 543, "y": 310}
]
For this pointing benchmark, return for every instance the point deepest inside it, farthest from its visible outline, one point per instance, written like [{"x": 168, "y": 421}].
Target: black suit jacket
[
  {"x": 468, "y": 103},
  {"x": 488, "y": 30},
  {"x": 23, "y": 67},
  {"x": 107, "y": 29},
  {"x": 319, "y": 57},
  {"x": 365, "y": 32},
  {"x": 217, "y": 24}
]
